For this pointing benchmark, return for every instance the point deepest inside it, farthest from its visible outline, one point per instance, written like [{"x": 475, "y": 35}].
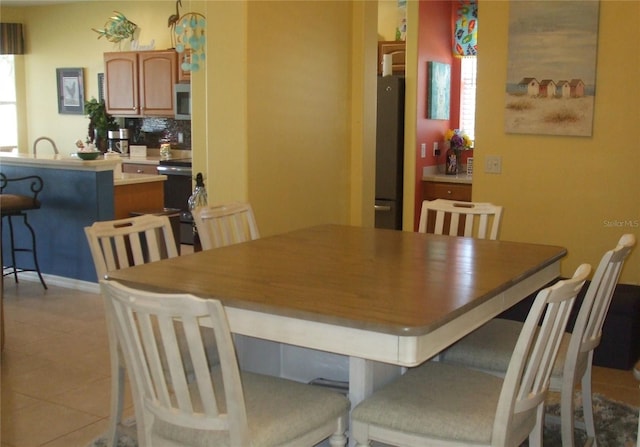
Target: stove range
[{"x": 177, "y": 190}]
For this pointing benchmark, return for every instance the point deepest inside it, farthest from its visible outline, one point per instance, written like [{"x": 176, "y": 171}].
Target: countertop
[
  {"x": 436, "y": 174},
  {"x": 153, "y": 157},
  {"x": 460, "y": 178},
  {"x": 56, "y": 161},
  {"x": 130, "y": 179},
  {"x": 60, "y": 161}
]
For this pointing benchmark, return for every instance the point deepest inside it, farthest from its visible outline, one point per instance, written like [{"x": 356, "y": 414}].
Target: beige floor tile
[
  {"x": 40, "y": 423},
  {"x": 92, "y": 397},
  {"x": 82, "y": 437},
  {"x": 12, "y": 401},
  {"x": 46, "y": 382},
  {"x": 55, "y": 385}
]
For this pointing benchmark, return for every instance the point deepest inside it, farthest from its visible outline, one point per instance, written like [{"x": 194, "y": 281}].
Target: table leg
[{"x": 366, "y": 376}]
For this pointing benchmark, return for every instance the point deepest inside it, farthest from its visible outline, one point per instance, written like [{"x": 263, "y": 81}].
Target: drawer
[
  {"x": 444, "y": 190},
  {"x": 139, "y": 168}
]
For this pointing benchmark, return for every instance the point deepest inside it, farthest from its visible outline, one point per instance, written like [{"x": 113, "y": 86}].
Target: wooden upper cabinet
[
  {"x": 397, "y": 49},
  {"x": 140, "y": 83},
  {"x": 121, "y": 83}
]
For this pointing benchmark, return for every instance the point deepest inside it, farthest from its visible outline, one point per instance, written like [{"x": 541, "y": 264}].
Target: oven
[{"x": 177, "y": 189}]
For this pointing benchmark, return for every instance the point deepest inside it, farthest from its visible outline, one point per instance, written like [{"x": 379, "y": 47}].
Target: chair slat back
[
  {"x": 222, "y": 225},
  {"x": 527, "y": 378},
  {"x": 122, "y": 243},
  {"x": 587, "y": 331},
  {"x": 479, "y": 218},
  {"x": 206, "y": 402}
]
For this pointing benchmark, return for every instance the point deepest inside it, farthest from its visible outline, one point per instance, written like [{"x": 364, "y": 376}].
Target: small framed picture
[
  {"x": 438, "y": 90},
  {"x": 70, "y": 91}
]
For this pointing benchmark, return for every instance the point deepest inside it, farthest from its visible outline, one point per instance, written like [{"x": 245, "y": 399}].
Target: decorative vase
[{"x": 452, "y": 162}]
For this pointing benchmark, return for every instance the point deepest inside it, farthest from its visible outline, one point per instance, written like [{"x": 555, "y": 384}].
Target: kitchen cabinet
[
  {"x": 131, "y": 198},
  {"x": 139, "y": 168},
  {"x": 445, "y": 190},
  {"x": 432, "y": 190},
  {"x": 140, "y": 83},
  {"x": 397, "y": 50}
]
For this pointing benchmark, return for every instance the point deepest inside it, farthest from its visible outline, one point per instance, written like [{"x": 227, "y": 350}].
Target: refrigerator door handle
[{"x": 382, "y": 208}]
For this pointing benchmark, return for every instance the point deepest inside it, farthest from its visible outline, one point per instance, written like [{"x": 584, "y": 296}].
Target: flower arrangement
[{"x": 458, "y": 140}]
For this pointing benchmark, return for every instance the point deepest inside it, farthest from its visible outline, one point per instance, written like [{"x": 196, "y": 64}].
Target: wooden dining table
[{"x": 380, "y": 297}]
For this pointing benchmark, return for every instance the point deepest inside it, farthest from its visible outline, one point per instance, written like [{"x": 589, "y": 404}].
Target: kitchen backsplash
[{"x": 152, "y": 132}]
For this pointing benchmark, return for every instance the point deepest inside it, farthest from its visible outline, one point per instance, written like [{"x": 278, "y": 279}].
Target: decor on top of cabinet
[
  {"x": 100, "y": 123},
  {"x": 187, "y": 36},
  {"x": 458, "y": 141},
  {"x": 465, "y": 37},
  {"x": 117, "y": 28}
]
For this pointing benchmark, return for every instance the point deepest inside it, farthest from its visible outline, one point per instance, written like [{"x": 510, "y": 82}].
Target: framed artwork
[
  {"x": 70, "y": 91},
  {"x": 438, "y": 90},
  {"x": 551, "y": 70}
]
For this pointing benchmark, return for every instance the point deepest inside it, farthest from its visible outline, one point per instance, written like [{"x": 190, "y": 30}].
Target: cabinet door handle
[
  {"x": 382, "y": 207},
  {"x": 139, "y": 171},
  {"x": 449, "y": 192}
]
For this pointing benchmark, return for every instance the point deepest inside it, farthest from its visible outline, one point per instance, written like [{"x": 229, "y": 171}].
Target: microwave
[{"x": 182, "y": 101}]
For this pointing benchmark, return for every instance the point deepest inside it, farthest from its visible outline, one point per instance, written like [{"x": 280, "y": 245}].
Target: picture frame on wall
[
  {"x": 551, "y": 70},
  {"x": 438, "y": 90},
  {"x": 70, "y": 91}
]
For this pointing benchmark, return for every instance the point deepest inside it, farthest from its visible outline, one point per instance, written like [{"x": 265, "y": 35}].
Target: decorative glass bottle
[
  {"x": 453, "y": 161},
  {"x": 197, "y": 200}
]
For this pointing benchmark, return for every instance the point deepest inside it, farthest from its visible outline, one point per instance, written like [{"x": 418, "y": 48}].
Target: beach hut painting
[{"x": 551, "y": 70}]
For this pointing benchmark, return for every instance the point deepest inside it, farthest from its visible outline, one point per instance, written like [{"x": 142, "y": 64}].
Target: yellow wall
[
  {"x": 281, "y": 95},
  {"x": 565, "y": 190},
  {"x": 60, "y": 36},
  {"x": 283, "y": 116}
]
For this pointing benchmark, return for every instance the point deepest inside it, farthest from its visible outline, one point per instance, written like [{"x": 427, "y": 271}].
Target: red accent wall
[{"x": 436, "y": 19}]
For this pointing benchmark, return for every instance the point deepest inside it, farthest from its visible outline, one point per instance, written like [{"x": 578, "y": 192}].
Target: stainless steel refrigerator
[{"x": 389, "y": 152}]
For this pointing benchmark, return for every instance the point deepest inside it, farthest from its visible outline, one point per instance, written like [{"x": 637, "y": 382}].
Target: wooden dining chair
[
  {"x": 441, "y": 404},
  {"x": 469, "y": 219},
  {"x": 489, "y": 348},
  {"x": 221, "y": 406},
  {"x": 222, "y": 225},
  {"x": 118, "y": 244}
]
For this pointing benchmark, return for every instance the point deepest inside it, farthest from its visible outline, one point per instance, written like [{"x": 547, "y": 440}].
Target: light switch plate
[{"x": 493, "y": 164}]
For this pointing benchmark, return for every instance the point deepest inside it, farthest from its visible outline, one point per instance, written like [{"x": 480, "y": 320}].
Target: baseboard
[{"x": 60, "y": 281}]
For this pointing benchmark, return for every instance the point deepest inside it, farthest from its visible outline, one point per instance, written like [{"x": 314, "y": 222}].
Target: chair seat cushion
[
  {"x": 438, "y": 400},
  {"x": 489, "y": 348},
  {"x": 14, "y": 203},
  {"x": 278, "y": 411}
]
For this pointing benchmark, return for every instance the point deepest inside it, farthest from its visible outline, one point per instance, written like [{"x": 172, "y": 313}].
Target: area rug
[{"x": 616, "y": 425}]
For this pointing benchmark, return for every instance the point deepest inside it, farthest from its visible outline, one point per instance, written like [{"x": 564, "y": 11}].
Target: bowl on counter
[{"x": 88, "y": 155}]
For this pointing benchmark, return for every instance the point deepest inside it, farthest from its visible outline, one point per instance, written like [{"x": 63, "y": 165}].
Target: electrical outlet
[
  {"x": 436, "y": 151},
  {"x": 493, "y": 164},
  {"x": 423, "y": 150}
]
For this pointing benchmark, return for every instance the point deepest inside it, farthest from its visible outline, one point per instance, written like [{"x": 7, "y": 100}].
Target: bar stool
[{"x": 16, "y": 205}]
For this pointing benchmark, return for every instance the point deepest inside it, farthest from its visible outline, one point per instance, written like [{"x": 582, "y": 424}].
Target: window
[
  {"x": 468, "y": 95},
  {"x": 8, "y": 110}
]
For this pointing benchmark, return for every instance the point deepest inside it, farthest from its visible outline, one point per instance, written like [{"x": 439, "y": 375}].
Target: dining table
[{"x": 380, "y": 297}]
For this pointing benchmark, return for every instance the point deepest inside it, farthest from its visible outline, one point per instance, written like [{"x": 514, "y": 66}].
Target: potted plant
[{"x": 100, "y": 122}]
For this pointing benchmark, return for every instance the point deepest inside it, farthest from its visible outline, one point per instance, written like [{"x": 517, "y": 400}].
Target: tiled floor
[{"x": 55, "y": 369}]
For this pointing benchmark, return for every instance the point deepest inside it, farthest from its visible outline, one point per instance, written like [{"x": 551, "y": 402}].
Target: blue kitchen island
[{"x": 76, "y": 193}]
